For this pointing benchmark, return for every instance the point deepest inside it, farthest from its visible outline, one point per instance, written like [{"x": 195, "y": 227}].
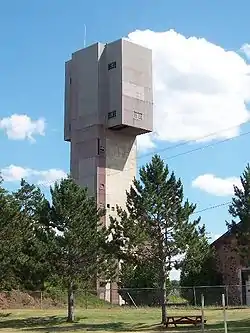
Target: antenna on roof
[{"x": 85, "y": 35}]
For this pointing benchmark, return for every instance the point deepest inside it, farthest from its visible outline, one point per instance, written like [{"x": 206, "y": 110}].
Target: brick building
[{"x": 234, "y": 275}]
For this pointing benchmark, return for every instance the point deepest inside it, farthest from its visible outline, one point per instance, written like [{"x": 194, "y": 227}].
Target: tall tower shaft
[{"x": 108, "y": 102}]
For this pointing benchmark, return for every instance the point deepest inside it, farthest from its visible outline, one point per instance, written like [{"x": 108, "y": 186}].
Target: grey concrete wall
[
  {"x": 84, "y": 116},
  {"x": 137, "y": 89},
  {"x": 120, "y": 169},
  {"x": 84, "y": 73},
  {"x": 98, "y": 80},
  {"x": 67, "y": 99},
  {"x": 114, "y": 82}
]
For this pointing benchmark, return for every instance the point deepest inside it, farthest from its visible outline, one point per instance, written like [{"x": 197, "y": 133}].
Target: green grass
[
  {"x": 115, "y": 320},
  {"x": 176, "y": 299}
]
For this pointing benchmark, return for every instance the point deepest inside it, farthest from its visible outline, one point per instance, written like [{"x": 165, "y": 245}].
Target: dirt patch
[{"x": 16, "y": 299}]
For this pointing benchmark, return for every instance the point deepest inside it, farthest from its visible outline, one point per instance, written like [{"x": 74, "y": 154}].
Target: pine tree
[
  {"x": 33, "y": 268},
  {"x": 11, "y": 235},
  {"x": 79, "y": 257},
  {"x": 193, "y": 272},
  {"x": 199, "y": 266},
  {"x": 239, "y": 209},
  {"x": 142, "y": 281},
  {"x": 141, "y": 275},
  {"x": 155, "y": 226}
]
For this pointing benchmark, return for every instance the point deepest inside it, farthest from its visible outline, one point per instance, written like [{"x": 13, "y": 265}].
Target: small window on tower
[
  {"x": 112, "y": 114},
  {"x": 137, "y": 115},
  {"x": 102, "y": 149},
  {"x": 112, "y": 65},
  {"x": 108, "y": 205}
]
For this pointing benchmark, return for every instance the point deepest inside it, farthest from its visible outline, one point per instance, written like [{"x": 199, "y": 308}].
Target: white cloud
[
  {"x": 21, "y": 127},
  {"x": 214, "y": 237},
  {"x": 48, "y": 177},
  {"x": 145, "y": 142},
  {"x": 214, "y": 185},
  {"x": 199, "y": 88},
  {"x": 245, "y": 48},
  {"x": 175, "y": 274},
  {"x": 14, "y": 173}
]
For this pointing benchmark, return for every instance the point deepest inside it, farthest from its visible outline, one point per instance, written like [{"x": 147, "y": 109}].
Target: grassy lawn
[{"x": 115, "y": 320}]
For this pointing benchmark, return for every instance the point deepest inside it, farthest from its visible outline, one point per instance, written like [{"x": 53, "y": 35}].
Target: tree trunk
[
  {"x": 163, "y": 300},
  {"x": 71, "y": 315}
]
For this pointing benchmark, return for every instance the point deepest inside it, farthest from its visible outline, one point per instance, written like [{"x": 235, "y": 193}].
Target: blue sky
[{"x": 200, "y": 87}]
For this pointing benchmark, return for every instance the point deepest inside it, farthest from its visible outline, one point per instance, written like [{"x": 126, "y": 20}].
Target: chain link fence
[{"x": 235, "y": 296}]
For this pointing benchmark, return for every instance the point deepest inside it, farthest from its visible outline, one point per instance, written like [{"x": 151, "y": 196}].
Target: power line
[
  {"x": 200, "y": 138},
  {"x": 177, "y": 146},
  {"x": 189, "y": 151},
  {"x": 112, "y": 173},
  {"x": 212, "y": 207},
  {"x": 196, "y": 212},
  {"x": 207, "y": 146}
]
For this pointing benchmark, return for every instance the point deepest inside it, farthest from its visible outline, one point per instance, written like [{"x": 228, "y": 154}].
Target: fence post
[
  {"x": 202, "y": 313},
  {"x": 41, "y": 299},
  {"x": 86, "y": 298},
  {"x": 195, "y": 301},
  {"x": 132, "y": 299},
  {"x": 224, "y": 312},
  {"x": 227, "y": 296},
  {"x": 111, "y": 293}
]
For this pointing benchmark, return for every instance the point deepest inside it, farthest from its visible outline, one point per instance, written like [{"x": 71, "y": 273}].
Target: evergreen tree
[
  {"x": 142, "y": 281},
  {"x": 79, "y": 257},
  {"x": 155, "y": 226},
  {"x": 33, "y": 268},
  {"x": 11, "y": 235},
  {"x": 239, "y": 209},
  {"x": 194, "y": 269},
  {"x": 142, "y": 275},
  {"x": 199, "y": 267}
]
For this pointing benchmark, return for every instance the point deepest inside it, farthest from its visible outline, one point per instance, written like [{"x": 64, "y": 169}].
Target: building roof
[{"x": 222, "y": 238}]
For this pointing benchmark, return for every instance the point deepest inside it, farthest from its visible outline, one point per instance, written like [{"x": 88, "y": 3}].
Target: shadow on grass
[
  {"x": 105, "y": 327},
  {"x": 239, "y": 326},
  {"x": 32, "y": 322},
  {"x": 59, "y": 324},
  {"x": 4, "y": 315}
]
